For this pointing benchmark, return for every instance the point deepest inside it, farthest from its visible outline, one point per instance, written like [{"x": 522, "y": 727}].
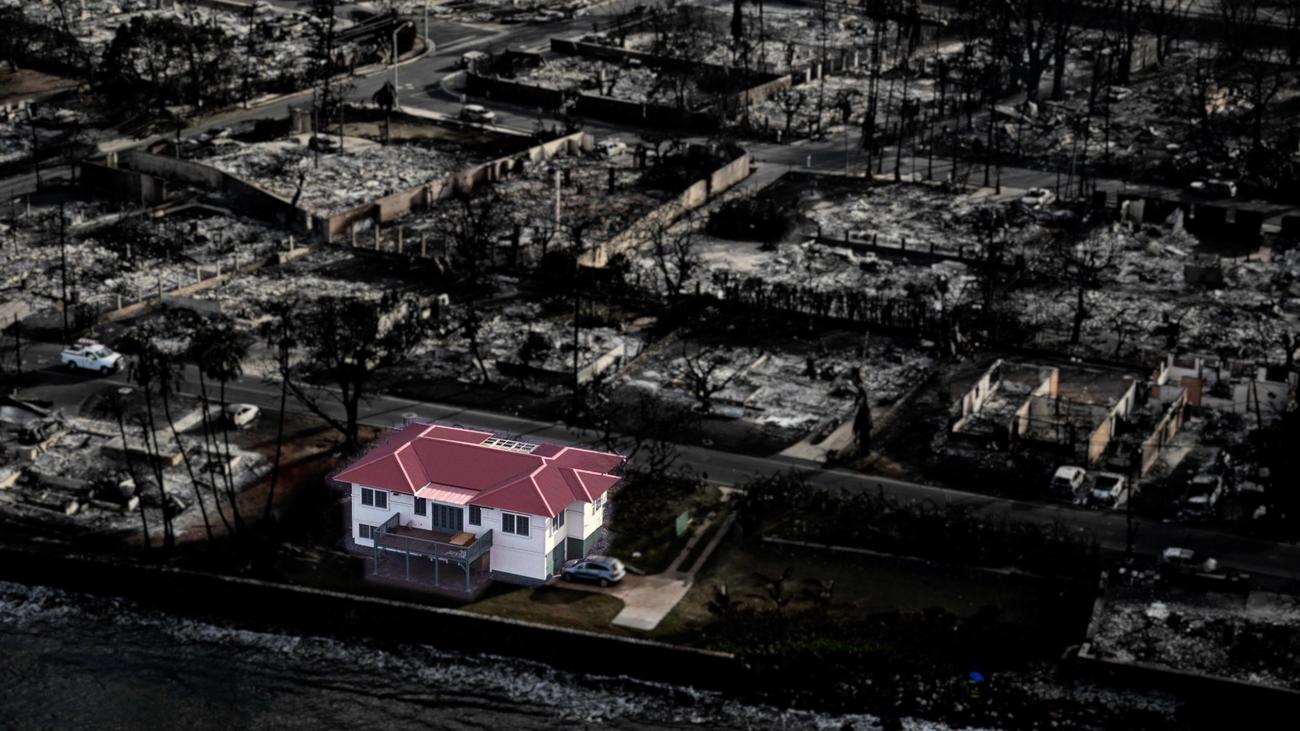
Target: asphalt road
[{"x": 1109, "y": 528}]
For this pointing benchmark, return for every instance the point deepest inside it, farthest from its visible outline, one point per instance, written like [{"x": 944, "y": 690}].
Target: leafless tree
[
  {"x": 1084, "y": 257},
  {"x": 471, "y": 327},
  {"x": 706, "y": 372},
  {"x": 675, "y": 255},
  {"x": 344, "y": 343},
  {"x": 791, "y": 101},
  {"x": 1237, "y": 19},
  {"x": 1265, "y": 72},
  {"x": 1165, "y": 18},
  {"x": 476, "y": 221}
]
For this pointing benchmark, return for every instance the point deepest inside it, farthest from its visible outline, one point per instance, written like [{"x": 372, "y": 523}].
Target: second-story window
[
  {"x": 421, "y": 506},
  {"x": 475, "y": 515},
  {"x": 374, "y": 498},
  {"x": 516, "y": 524}
]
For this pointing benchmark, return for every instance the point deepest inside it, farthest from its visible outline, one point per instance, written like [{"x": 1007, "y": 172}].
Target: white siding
[
  {"x": 371, "y": 515},
  {"x": 582, "y": 519},
  {"x": 513, "y": 553}
]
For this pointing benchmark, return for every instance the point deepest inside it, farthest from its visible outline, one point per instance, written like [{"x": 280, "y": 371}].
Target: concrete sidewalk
[{"x": 648, "y": 601}]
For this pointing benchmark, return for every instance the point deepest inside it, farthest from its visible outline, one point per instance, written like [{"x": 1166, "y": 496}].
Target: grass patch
[
  {"x": 645, "y": 514},
  {"x": 550, "y": 605},
  {"x": 859, "y": 587},
  {"x": 698, "y": 549}
]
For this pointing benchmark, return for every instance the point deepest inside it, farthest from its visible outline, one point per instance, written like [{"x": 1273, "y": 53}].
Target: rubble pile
[
  {"x": 84, "y": 477},
  {"x": 48, "y": 125},
  {"x": 1253, "y": 642},
  {"x": 332, "y": 182},
  {"x": 799, "y": 105},
  {"x": 104, "y": 271},
  {"x": 1146, "y": 297},
  {"x": 525, "y": 203},
  {"x": 919, "y": 215},
  {"x": 501, "y": 11},
  {"x": 791, "y": 38},
  {"x": 603, "y": 78},
  {"x": 1158, "y": 125},
  {"x": 787, "y": 388},
  {"x": 247, "y": 297},
  {"x": 520, "y": 333},
  {"x": 274, "y": 43}
]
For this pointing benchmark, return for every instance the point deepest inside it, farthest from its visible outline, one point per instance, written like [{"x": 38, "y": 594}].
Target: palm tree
[
  {"x": 143, "y": 372},
  {"x": 219, "y": 350},
  {"x": 279, "y": 334},
  {"x": 117, "y": 402},
  {"x": 169, "y": 374}
]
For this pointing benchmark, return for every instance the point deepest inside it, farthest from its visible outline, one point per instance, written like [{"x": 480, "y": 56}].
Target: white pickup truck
[{"x": 91, "y": 356}]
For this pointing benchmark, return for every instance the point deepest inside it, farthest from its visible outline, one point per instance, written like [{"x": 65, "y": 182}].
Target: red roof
[{"x": 539, "y": 482}]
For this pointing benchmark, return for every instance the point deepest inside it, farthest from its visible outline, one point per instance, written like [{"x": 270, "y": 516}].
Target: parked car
[
  {"x": 473, "y": 59},
  {"x": 1214, "y": 188},
  {"x": 611, "y": 148},
  {"x": 1068, "y": 480},
  {"x": 1203, "y": 495},
  {"x": 91, "y": 356},
  {"x": 1109, "y": 490},
  {"x": 1187, "y": 560},
  {"x": 1037, "y": 197},
  {"x": 598, "y": 38},
  {"x": 241, "y": 414},
  {"x": 477, "y": 113},
  {"x": 602, "y": 570}
]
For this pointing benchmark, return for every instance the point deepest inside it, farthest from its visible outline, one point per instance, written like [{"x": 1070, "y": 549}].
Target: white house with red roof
[{"x": 485, "y": 504}]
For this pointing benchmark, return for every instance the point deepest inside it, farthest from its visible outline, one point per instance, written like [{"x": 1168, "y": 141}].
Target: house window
[
  {"x": 475, "y": 515},
  {"x": 447, "y": 517},
  {"x": 374, "y": 498},
  {"x": 421, "y": 506},
  {"x": 516, "y": 524},
  {"x": 364, "y": 531},
  {"x": 558, "y": 522}
]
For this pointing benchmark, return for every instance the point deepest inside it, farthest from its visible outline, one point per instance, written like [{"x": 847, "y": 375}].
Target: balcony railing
[{"x": 388, "y": 536}]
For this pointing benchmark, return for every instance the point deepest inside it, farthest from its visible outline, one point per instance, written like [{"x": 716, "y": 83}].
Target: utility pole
[
  {"x": 557, "y": 199},
  {"x": 63, "y": 269},
  {"x": 18, "y": 345}
]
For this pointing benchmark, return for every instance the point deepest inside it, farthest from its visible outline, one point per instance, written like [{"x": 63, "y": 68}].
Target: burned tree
[
  {"x": 1084, "y": 257},
  {"x": 673, "y": 247},
  {"x": 476, "y": 221},
  {"x": 706, "y": 372},
  {"x": 344, "y": 342}
]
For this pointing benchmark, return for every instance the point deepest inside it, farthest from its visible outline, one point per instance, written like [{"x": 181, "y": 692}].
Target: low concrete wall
[
  {"x": 693, "y": 197},
  {"x": 301, "y": 609},
  {"x": 126, "y": 185},
  {"x": 491, "y": 87},
  {"x": 1164, "y": 432},
  {"x": 764, "y": 83},
  {"x": 397, "y": 205},
  {"x": 1101, "y": 436},
  {"x": 248, "y": 197},
  {"x": 973, "y": 400}
]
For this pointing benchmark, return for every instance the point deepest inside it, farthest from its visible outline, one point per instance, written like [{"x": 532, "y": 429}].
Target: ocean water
[{"x": 74, "y": 661}]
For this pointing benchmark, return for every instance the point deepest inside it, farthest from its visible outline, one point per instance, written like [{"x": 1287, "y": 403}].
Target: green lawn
[
  {"x": 863, "y": 586},
  {"x": 550, "y": 605},
  {"x": 649, "y": 529}
]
